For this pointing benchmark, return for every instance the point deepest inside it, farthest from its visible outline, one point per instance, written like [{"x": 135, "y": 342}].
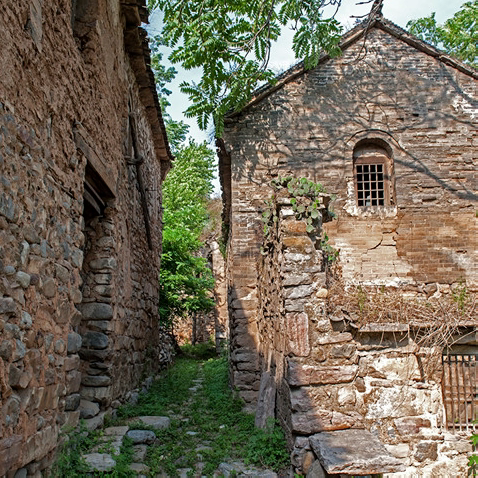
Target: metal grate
[
  {"x": 460, "y": 392},
  {"x": 370, "y": 184}
]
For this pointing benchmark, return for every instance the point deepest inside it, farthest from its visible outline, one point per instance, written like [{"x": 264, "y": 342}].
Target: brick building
[
  {"x": 389, "y": 129},
  {"x": 83, "y": 153}
]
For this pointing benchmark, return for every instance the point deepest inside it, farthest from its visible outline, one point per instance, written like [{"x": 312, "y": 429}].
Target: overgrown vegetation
[
  {"x": 438, "y": 317},
  {"x": 216, "y": 416},
  {"x": 186, "y": 280},
  {"x": 309, "y": 202},
  {"x": 70, "y": 462},
  {"x": 208, "y": 421}
]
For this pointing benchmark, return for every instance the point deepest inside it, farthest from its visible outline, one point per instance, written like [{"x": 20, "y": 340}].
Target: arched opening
[{"x": 373, "y": 170}]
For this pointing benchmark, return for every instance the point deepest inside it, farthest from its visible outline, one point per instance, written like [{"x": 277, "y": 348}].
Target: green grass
[
  {"x": 203, "y": 351},
  {"x": 76, "y": 442},
  {"x": 167, "y": 393},
  {"x": 212, "y": 411},
  {"x": 217, "y": 416}
]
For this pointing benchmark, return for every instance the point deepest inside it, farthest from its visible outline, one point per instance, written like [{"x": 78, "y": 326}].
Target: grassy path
[{"x": 209, "y": 435}]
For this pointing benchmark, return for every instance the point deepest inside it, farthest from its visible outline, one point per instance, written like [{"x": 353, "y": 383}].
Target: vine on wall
[{"x": 309, "y": 202}]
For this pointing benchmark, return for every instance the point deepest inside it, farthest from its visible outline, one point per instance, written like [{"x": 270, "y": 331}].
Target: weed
[
  {"x": 203, "y": 351},
  {"x": 460, "y": 296},
  {"x": 69, "y": 460},
  {"x": 361, "y": 299},
  {"x": 170, "y": 391},
  {"x": 209, "y": 423},
  {"x": 124, "y": 460},
  {"x": 268, "y": 447}
]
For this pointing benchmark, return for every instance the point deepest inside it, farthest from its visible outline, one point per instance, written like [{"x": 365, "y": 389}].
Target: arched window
[{"x": 372, "y": 174}]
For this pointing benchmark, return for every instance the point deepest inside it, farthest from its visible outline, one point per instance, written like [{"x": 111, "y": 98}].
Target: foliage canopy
[
  {"x": 458, "y": 36},
  {"x": 231, "y": 42},
  {"x": 185, "y": 276}
]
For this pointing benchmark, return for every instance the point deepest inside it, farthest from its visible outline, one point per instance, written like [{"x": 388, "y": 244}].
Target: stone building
[
  {"x": 389, "y": 129},
  {"x": 83, "y": 152}
]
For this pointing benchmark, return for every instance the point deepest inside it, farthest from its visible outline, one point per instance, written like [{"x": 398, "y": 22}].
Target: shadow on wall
[
  {"x": 332, "y": 385},
  {"x": 312, "y": 120}
]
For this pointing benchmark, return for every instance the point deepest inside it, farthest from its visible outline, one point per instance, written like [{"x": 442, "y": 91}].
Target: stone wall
[
  {"x": 78, "y": 290},
  {"x": 321, "y": 375},
  {"x": 388, "y": 90}
]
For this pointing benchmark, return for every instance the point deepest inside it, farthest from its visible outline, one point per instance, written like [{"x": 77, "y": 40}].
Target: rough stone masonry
[
  {"x": 83, "y": 152},
  {"x": 389, "y": 128}
]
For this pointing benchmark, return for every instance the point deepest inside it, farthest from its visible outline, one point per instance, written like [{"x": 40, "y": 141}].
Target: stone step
[{"x": 99, "y": 461}]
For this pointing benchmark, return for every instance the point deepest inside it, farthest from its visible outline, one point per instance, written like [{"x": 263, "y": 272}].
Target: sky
[{"x": 282, "y": 56}]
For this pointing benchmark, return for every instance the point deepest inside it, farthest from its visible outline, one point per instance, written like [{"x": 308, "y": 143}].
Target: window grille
[
  {"x": 460, "y": 391},
  {"x": 370, "y": 180},
  {"x": 372, "y": 167}
]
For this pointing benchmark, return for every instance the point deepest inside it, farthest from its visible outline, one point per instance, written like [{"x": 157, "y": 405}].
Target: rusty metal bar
[
  {"x": 472, "y": 381},
  {"x": 463, "y": 359},
  {"x": 460, "y": 421},
  {"x": 460, "y": 391},
  {"x": 472, "y": 373},
  {"x": 448, "y": 386}
]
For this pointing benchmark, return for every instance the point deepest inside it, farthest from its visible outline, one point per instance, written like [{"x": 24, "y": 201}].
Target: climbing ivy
[
  {"x": 473, "y": 459},
  {"x": 307, "y": 200}
]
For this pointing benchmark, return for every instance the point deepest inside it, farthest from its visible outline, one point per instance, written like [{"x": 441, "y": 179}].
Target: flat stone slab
[
  {"x": 353, "y": 452},
  {"x": 141, "y": 436},
  {"x": 99, "y": 461},
  {"x": 110, "y": 444},
  {"x": 158, "y": 423},
  {"x": 140, "y": 468},
  {"x": 116, "y": 431},
  {"x": 140, "y": 452},
  {"x": 384, "y": 328},
  {"x": 95, "y": 422}
]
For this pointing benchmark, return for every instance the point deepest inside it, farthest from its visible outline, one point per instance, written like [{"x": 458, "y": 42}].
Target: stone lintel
[
  {"x": 353, "y": 452},
  {"x": 100, "y": 166},
  {"x": 384, "y": 328},
  {"x": 299, "y": 374}
]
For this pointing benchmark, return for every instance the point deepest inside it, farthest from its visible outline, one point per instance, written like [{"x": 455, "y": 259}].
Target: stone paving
[{"x": 112, "y": 438}]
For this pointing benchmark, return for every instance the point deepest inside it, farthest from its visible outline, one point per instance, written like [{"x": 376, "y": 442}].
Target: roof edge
[
  {"x": 348, "y": 39},
  {"x": 137, "y": 47}
]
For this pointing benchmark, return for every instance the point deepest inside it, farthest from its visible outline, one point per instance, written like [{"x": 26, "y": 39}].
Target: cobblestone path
[{"x": 149, "y": 440}]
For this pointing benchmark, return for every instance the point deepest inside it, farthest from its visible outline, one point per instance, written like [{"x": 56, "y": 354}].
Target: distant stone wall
[
  {"x": 213, "y": 325},
  {"x": 79, "y": 288}
]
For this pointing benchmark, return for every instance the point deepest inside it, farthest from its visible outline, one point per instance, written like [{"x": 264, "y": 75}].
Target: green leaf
[
  {"x": 231, "y": 42},
  {"x": 458, "y": 36}
]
